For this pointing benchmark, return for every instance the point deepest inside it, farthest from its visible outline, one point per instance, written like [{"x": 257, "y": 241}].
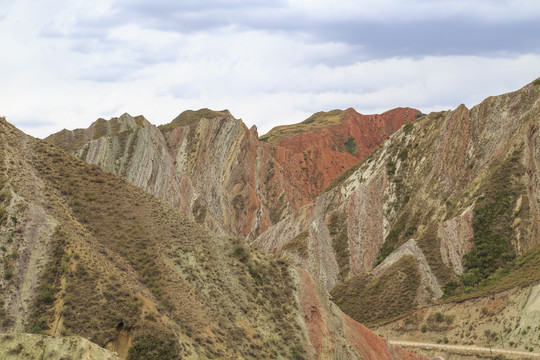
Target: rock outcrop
[
  {"x": 86, "y": 253},
  {"x": 462, "y": 183},
  {"x": 214, "y": 169}
]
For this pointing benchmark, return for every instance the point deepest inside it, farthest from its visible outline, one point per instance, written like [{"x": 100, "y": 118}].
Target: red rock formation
[
  {"x": 311, "y": 160},
  {"x": 323, "y": 327}
]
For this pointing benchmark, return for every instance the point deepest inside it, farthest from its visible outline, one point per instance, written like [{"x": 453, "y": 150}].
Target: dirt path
[{"x": 463, "y": 348}]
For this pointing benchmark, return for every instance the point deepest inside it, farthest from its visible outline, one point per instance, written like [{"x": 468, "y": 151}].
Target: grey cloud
[
  {"x": 452, "y": 37},
  {"x": 454, "y": 34}
]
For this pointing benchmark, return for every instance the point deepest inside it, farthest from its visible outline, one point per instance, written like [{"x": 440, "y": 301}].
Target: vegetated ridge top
[
  {"x": 189, "y": 117},
  {"x": 322, "y": 119}
]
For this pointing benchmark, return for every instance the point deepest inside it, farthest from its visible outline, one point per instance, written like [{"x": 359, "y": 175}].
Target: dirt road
[{"x": 464, "y": 348}]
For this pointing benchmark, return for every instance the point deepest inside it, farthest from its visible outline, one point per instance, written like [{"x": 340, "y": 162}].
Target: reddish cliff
[{"x": 311, "y": 159}]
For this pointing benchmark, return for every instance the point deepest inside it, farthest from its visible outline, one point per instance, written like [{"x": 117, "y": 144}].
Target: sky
[{"x": 66, "y": 63}]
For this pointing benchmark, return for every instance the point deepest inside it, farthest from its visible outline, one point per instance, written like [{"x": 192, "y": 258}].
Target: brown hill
[{"x": 86, "y": 253}]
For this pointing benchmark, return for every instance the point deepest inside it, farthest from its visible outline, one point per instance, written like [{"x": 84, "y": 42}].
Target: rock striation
[
  {"x": 85, "y": 253},
  {"x": 214, "y": 169},
  {"x": 463, "y": 184}
]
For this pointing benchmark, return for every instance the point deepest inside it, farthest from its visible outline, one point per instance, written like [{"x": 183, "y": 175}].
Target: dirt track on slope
[{"x": 429, "y": 346}]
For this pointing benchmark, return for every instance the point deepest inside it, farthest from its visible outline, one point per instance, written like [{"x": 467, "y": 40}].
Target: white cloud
[{"x": 67, "y": 66}]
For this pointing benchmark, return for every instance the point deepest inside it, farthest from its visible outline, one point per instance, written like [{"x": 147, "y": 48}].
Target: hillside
[
  {"x": 434, "y": 230},
  {"x": 446, "y": 208},
  {"x": 85, "y": 253},
  {"x": 214, "y": 169}
]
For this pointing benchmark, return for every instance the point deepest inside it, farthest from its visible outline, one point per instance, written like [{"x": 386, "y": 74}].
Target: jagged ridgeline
[
  {"x": 446, "y": 208},
  {"x": 215, "y": 170},
  {"x": 85, "y": 253}
]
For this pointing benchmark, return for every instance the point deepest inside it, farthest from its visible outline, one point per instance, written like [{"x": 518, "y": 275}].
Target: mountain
[
  {"x": 86, "y": 254},
  {"x": 211, "y": 167},
  {"x": 424, "y": 229},
  {"x": 445, "y": 211}
]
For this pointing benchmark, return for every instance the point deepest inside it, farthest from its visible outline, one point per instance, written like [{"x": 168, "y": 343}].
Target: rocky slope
[
  {"x": 214, "y": 169},
  {"x": 439, "y": 208},
  {"x": 507, "y": 319},
  {"x": 41, "y": 347},
  {"x": 85, "y": 253}
]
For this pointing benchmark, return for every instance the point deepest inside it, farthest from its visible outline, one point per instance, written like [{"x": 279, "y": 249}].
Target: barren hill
[{"x": 86, "y": 253}]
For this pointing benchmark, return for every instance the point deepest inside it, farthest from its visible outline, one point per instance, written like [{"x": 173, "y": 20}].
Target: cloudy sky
[{"x": 65, "y": 63}]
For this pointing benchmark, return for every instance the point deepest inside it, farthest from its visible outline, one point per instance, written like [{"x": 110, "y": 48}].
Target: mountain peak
[{"x": 189, "y": 117}]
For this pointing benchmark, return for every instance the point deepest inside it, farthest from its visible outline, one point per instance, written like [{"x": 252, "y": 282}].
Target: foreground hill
[
  {"x": 211, "y": 167},
  {"x": 448, "y": 207},
  {"x": 86, "y": 253}
]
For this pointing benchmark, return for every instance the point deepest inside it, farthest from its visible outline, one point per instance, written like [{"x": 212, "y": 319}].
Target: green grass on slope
[
  {"x": 318, "y": 120},
  {"x": 373, "y": 301},
  {"x": 492, "y": 221},
  {"x": 338, "y": 228},
  {"x": 521, "y": 272},
  {"x": 118, "y": 243},
  {"x": 189, "y": 117}
]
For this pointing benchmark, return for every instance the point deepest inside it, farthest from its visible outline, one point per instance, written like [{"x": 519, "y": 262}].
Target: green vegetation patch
[
  {"x": 278, "y": 208},
  {"x": 298, "y": 244},
  {"x": 199, "y": 211},
  {"x": 155, "y": 344},
  {"x": 393, "y": 239},
  {"x": 338, "y": 227},
  {"x": 239, "y": 203},
  {"x": 492, "y": 222},
  {"x": 189, "y": 117},
  {"x": 430, "y": 244},
  {"x": 318, "y": 120},
  {"x": 42, "y": 309},
  {"x": 373, "y": 301},
  {"x": 350, "y": 146},
  {"x": 409, "y": 126}
]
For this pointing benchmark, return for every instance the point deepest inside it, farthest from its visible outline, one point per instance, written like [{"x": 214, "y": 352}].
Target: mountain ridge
[
  {"x": 443, "y": 212},
  {"x": 264, "y": 181},
  {"x": 87, "y": 253}
]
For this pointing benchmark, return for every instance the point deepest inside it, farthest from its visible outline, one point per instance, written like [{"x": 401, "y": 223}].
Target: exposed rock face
[
  {"x": 429, "y": 181},
  {"x": 334, "y": 335},
  {"x": 214, "y": 169},
  {"x": 89, "y": 254}
]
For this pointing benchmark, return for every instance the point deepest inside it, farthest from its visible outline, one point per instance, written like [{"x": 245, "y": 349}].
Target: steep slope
[
  {"x": 41, "y": 347},
  {"x": 443, "y": 204},
  {"x": 213, "y": 168},
  {"x": 86, "y": 253}
]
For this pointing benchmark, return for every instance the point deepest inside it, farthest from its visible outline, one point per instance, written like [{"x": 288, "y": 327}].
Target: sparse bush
[
  {"x": 199, "y": 211},
  {"x": 448, "y": 319},
  {"x": 390, "y": 168},
  {"x": 423, "y": 328},
  {"x": 350, "y": 146}
]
